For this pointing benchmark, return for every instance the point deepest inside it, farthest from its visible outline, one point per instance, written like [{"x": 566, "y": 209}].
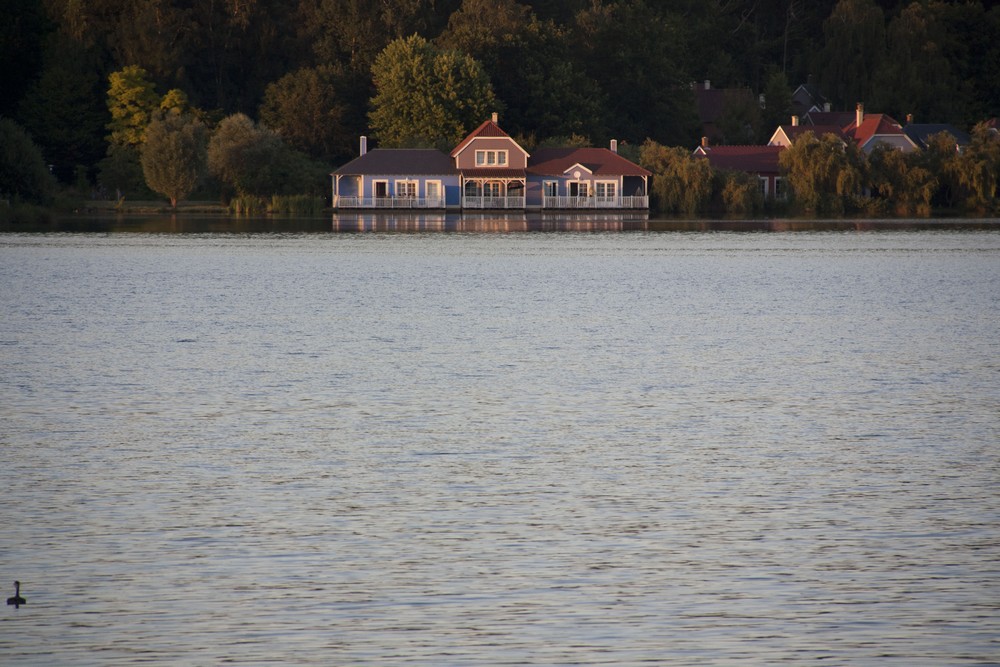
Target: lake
[{"x": 284, "y": 445}]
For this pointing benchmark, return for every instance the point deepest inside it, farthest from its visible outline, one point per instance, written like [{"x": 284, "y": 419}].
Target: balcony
[
  {"x": 389, "y": 202},
  {"x": 493, "y": 202},
  {"x": 563, "y": 202}
]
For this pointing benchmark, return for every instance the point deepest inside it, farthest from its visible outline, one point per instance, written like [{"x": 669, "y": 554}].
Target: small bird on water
[{"x": 17, "y": 600}]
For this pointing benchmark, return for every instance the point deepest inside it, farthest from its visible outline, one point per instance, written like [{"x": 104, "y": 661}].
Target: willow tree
[
  {"x": 427, "y": 96},
  {"x": 681, "y": 183},
  {"x": 823, "y": 172}
]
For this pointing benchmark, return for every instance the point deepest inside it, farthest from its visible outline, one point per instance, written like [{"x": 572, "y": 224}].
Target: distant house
[
  {"x": 807, "y": 98},
  {"x": 920, "y": 133},
  {"x": 761, "y": 161},
  {"x": 868, "y": 131},
  {"x": 785, "y": 135},
  {"x": 490, "y": 170}
]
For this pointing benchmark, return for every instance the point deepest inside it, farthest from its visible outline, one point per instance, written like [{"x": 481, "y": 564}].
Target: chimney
[
  {"x": 704, "y": 142},
  {"x": 364, "y": 145},
  {"x": 909, "y": 119},
  {"x": 614, "y": 145},
  {"x": 495, "y": 117},
  {"x": 859, "y": 114},
  {"x": 795, "y": 121},
  {"x": 827, "y": 107},
  {"x": 708, "y": 84}
]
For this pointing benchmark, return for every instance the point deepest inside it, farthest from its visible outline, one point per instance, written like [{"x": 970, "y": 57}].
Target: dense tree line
[
  {"x": 312, "y": 75},
  {"x": 828, "y": 177}
]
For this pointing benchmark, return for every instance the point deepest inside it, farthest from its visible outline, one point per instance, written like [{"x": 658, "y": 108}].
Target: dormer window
[{"x": 491, "y": 158}]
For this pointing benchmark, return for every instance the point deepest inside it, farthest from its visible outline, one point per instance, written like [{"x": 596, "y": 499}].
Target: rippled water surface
[{"x": 475, "y": 449}]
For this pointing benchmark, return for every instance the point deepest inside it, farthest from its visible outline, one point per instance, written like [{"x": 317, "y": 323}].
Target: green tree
[
  {"x": 23, "y": 33},
  {"x": 916, "y": 76},
  {"x": 899, "y": 179},
  {"x": 132, "y": 100},
  {"x": 303, "y": 107},
  {"x": 634, "y": 50},
  {"x": 120, "y": 171},
  {"x": 681, "y": 183},
  {"x": 23, "y": 174},
  {"x": 530, "y": 65},
  {"x": 173, "y": 156},
  {"x": 823, "y": 173},
  {"x": 63, "y": 111},
  {"x": 977, "y": 170},
  {"x": 740, "y": 193},
  {"x": 777, "y": 103},
  {"x": 427, "y": 96},
  {"x": 854, "y": 48}
]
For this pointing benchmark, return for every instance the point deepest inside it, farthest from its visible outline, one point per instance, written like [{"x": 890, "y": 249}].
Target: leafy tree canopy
[
  {"x": 173, "y": 155},
  {"x": 425, "y": 95},
  {"x": 132, "y": 99}
]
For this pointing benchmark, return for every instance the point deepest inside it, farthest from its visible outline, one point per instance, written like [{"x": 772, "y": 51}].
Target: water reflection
[
  {"x": 476, "y": 222},
  {"x": 485, "y": 223}
]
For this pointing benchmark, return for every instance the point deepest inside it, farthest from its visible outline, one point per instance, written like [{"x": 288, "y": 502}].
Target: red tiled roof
[
  {"x": 600, "y": 161},
  {"x": 872, "y": 124},
  {"x": 487, "y": 129},
  {"x": 753, "y": 159}
]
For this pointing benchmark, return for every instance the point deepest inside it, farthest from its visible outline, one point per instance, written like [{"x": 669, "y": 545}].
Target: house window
[
  {"x": 780, "y": 189},
  {"x": 491, "y": 189},
  {"x": 762, "y": 186},
  {"x": 433, "y": 190},
  {"x": 380, "y": 189},
  {"x": 491, "y": 158},
  {"x": 406, "y": 189},
  {"x": 579, "y": 189},
  {"x": 605, "y": 189},
  {"x": 551, "y": 188}
]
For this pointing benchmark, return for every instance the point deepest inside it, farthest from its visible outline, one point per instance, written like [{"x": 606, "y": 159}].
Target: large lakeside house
[{"x": 489, "y": 170}]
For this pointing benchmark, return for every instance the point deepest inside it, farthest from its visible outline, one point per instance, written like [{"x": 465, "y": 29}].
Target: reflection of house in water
[
  {"x": 488, "y": 222},
  {"x": 488, "y": 170}
]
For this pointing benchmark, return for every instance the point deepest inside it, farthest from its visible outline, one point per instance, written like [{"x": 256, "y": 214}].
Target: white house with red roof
[{"x": 490, "y": 170}]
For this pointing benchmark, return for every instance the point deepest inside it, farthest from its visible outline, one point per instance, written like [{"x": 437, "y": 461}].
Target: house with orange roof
[
  {"x": 869, "y": 130},
  {"x": 490, "y": 170},
  {"x": 785, "y": 135}
]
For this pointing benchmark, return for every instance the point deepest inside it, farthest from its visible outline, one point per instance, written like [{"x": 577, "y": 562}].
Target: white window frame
[
  {"x": 550, "y": 188},
  {"x": 780, "y": 188},
  {"x": 375, "y": 184},
  {"x": 491, "y": 158},
  {"x": 582, "y": 188},
  {"x": 764, "y": 186},
  {"x": 427, "y": 190},
  {"x": 407, "y": 189},
  {"x": 606, "y": 189}
]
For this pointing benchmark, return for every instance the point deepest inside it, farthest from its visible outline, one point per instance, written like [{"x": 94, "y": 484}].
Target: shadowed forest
[{"x": 300, "y": 80}]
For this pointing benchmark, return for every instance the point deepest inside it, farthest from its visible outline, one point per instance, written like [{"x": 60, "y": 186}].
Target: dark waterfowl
[{"x": 17, "y": 600}]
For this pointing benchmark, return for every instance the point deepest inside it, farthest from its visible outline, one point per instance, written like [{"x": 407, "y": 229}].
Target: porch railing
[
  {"x": 632, "y": 201},
  {"x": 492, "y": 202},
  {"x": 388, "y": 202}
]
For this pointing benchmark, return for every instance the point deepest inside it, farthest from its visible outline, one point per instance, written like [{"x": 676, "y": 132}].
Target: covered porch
[{"x": 493, "y": 191}]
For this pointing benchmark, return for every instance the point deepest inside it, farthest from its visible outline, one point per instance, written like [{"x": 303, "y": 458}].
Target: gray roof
[
  {"x": 401, "y": 161},
  {"x": 921, "y": 132}
]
